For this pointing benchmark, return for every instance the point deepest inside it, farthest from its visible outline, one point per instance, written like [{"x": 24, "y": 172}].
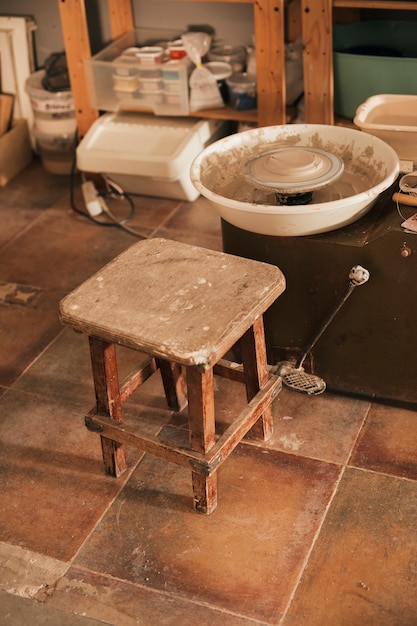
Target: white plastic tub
[
  {"x": 392, "y": 118},
  {"x": 147, "y": 155},
  {"x": 56, "y": 151}
]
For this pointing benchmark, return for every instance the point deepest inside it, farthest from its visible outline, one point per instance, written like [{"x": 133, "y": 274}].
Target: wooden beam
[
  {"x": 77, "y": 48},
  {"x": 293, "y": 20},
  {"x": 396, "y": 5},
  {"x": 121, "y": 17},
  {"x": 270, "y": 61},
  {"x": 317, "y": 25}
]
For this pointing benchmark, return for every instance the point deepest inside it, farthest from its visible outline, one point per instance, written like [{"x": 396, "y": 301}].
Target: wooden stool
[{"x": 185, "y": 307}]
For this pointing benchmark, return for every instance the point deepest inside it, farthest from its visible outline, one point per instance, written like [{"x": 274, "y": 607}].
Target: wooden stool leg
[
  {"x": 174, "y": 384},
  {"x": 255, "y": 368},
  {"x": 108, "y": 402},
  {"x": 202, "y": 434}
]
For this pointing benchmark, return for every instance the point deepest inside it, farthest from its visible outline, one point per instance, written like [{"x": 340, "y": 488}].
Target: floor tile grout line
[
  {"x": 344, "y": 467},
  {"x": 171, "y": 594},
  {"x": 291, "y": 453},
  {"x": 22, "y": 232},
  {"x": 365, "y": 418},
  {"x": 379, "y": 473},
  {"x": 312, "y": 545},
  {"x": 35, "y": 359},
  {"x": 123, "y": 482},
  {"x": 161, "y": 226}
]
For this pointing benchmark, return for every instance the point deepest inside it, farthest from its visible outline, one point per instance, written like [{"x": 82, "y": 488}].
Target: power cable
[{"x": 95, "y": 202}]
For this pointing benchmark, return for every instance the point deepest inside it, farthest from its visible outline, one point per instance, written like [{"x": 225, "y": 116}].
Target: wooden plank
[
  {"x": 201, "y": 409},
  {"x": 317, "y": 29},
  {"x": 228, "y": 1},
  {"x": 377, "y": 4},
  {"x": 174, "y": 383},
  {"x": 228, "y": 113},
  {"x": 121, "y": 17},
  {"x": 77, "y": 48},
  {"x": 202, "y": 435},
  {"x": 128, "y": 433},
  {"x": 245, "y": 422},
  {"x": 256, "y": 372},
  {"x": 15, "y": 151},
  {"x": 230, "y": 370},
  {"x": 6, "y": 112},
  {"x": 106, "y": 384},
  {"x": 106, "y": 379},
  {"x": 270, "y": 61},
  {"x": 136, "y": 378},
  {"x": 293, "y": 19},
  {"x": 198, "y": 302}
]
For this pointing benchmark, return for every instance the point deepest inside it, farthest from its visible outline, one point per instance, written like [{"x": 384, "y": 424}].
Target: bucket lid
[
  {"x": 34, "y": 88},
  {"x": 294, "y": 169},
  {"x": 220, "y": 69}
]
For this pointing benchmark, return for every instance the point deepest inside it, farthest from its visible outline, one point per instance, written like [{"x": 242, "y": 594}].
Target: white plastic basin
[
  {"x": 392, "y": 118},
  {"x": 370, "y": 167}
]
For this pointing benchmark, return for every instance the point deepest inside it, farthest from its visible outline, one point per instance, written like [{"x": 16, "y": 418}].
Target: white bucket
[
  {"x": 57, "y": 152},
  {"x": 53, "y": 110}
]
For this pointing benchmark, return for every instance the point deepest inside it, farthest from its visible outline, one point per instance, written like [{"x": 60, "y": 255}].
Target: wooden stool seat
[{"x": 185, "y": 307}]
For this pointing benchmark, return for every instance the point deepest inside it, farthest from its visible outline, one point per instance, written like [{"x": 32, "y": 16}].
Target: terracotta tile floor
[{"x": 315, "y": 527}]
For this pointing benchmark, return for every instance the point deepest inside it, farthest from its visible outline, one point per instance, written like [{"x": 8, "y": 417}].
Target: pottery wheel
[{"x": 295, "y": 169}]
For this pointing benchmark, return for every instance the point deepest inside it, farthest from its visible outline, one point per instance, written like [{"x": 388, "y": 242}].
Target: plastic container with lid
[
  {"x": 57, "y": 152},
  {"x": 242, "y": 90},
  {"x": 150, "y": 56},
  {"x": 125, "y": 83},
  {"x": 235, "y": 55},
  {"x": 221, "y": 71},
  {"x": 151, "y": 84},
  {"x": 176, "y": 50},
  {"x": 53, "y": 111}
]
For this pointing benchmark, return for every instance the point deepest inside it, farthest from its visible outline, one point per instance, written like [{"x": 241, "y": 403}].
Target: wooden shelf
[
  {"x": 314, "y": 18},
  {"x": 270, "y": 58},
  {"x": 317, "y": 29},
  {"x": 228, "y": 113},
  {"x": 396, "y": 5}
]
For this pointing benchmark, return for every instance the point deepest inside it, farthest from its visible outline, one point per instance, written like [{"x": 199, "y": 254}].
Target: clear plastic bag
[{"x": 204, "y": 90}]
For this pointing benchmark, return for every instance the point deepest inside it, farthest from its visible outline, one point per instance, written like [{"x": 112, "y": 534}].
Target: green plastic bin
[{"x": 371, "y": 58}]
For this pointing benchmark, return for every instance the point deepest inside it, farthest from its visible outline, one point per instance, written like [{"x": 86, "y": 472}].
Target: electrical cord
[{"x": 114, "y": 192}]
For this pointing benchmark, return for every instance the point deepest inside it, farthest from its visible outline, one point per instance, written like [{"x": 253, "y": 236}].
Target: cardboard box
[{"x": 15, "y": 151}]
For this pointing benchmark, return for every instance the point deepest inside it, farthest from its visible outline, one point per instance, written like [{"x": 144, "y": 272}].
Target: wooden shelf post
[
  {"x": 77, "y": 48},
  {"x": 269, "y": 26},
  {"x": 317, "y": 27},
  {"x": 270, "y": 61}
]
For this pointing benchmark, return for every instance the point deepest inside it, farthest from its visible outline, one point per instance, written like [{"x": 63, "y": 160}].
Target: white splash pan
[{"x": 218, "y": 173}]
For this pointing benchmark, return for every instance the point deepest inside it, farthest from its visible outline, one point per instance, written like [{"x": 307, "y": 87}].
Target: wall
[{"x": 233, "y": 23}]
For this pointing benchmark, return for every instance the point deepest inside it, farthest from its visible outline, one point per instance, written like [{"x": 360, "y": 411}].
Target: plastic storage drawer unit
[{"x": 129, "y": 76}]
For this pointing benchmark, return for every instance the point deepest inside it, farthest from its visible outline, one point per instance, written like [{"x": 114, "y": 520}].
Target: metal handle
[{"x": 358, "y": 275}]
